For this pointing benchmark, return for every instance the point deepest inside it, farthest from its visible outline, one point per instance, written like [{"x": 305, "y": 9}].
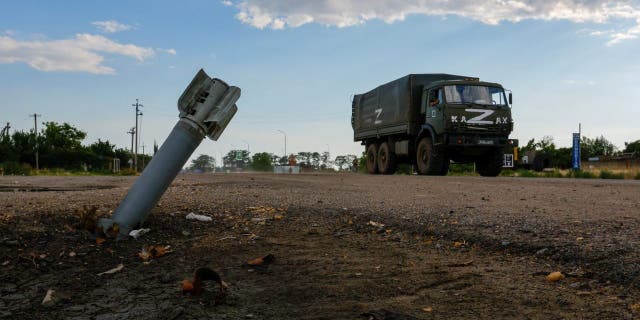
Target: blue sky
[{"x": 298, "y": 63}]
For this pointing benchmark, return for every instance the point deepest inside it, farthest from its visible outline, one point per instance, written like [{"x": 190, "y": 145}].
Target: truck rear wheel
[
  {"x": 372, "y": 158},
  {"x": 428, "y": 159},
  {"x": 386, "y": 159},
  {"x": 491, "y": 164}
]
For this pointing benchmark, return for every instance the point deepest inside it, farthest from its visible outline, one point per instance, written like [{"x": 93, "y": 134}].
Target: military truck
[{"x": 429, "y": 119}]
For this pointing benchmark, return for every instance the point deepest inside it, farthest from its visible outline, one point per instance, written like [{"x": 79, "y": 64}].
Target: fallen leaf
[
  {"x": 427, "y": 309},
  {"x": 458, "y": 244},
  {"x": 278, "y": 216},
  {"x": 100, "y": 240},
  {"x": 261, "y": 261},
  {"x": 428, "y": 241},
  {"x": 555, "y": 276},
  {"x": 635, "y": 307},
  {"x": 112, "y": 271}
]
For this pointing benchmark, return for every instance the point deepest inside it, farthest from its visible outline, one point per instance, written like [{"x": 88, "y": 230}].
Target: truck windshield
[{"x": 461, "y": 94}]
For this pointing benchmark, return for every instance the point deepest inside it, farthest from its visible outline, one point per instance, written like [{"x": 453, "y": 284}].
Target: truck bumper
[{"x": 475, "y": 141}]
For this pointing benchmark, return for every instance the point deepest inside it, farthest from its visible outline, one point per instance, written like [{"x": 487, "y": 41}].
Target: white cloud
[
  {"x": 170, "y": 51},
  {"x": 111, "y": 26},
  {"x": 80, "y": 54},
  {"x": 279, "y": 14}
]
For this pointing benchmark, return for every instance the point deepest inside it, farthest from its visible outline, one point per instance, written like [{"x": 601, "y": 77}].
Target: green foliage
[
  {"x": 461, "y": 168},
  {"x": 526, "y": 173},
  {"x": 553, "y": 174},
  {"x": 15, "y": 168},
  {"x": 262, "y": 161},
  {"x": 606, "y": 174},
  {"x": 596, "y": 147},
  {"x": 204, "y": 163},
  {"x": 237, "y": 159},
  {"x": 631, "y": 147},
  {"x": 60, "y": 137},
  {"x": 507, "y": 173},
  {"x": 580, "y": 174}
]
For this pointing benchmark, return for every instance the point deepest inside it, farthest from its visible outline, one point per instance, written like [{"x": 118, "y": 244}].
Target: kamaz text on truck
[{"x": 429, "y": 119}]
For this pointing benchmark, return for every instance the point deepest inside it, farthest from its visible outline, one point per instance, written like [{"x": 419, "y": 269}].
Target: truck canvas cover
[{"x": 393, "y": 107}]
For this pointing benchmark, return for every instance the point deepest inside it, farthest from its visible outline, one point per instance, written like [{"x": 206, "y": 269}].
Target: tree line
[{"x": 59, "y": 146}]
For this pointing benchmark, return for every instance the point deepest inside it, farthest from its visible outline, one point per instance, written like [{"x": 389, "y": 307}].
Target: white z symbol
[
  {"x": 378, "y": 113},
  {"x": 479, "y": 119}
]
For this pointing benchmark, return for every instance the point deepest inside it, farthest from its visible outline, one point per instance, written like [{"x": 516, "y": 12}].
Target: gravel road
[{"x": 346, "y": 246}]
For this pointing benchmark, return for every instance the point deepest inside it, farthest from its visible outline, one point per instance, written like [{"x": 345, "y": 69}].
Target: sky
[{"x": 298, "y": 63}]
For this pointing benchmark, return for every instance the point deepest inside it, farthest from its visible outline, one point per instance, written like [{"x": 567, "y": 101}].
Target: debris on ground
[
  {"x": 261, "y": 261},
  {"x": 196, "y": 286},
  {"x": 112, "y": 271},
  {"x": 199, "y": 217},
  {"x": 138, "y": 233},
  {"x": 555, "y": 276},
  {"x": 149, "y": 252},
  {"x": 53, "y": 297},
  {"x": 88, "y": 218},
  {"x": 375, "y": 224}
]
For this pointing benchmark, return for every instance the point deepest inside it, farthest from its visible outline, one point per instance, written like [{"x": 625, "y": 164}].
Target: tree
[
  {"x": 596, "y": 147},
  {"x": 204, "y": 163},
  {"x": 262, "y": 161},
  {"x": 237, "y": 159},
  {"x": 341, "y": 161},
  {"x": 103, "y": 148},
  {"x": 60, "y": 137},
  {"x": 631, "y": 147}
]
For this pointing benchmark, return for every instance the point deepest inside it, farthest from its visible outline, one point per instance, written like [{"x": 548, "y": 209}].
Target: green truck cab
[{"x": 429, "y": 119}]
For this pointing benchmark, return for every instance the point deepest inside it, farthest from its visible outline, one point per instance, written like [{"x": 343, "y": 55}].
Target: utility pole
[
  {"x": 35, "y": 134},
  {"x": 138, "y": 113},
  {"x": 248, "y": 146},
  {"x": 132, "y": 132}
]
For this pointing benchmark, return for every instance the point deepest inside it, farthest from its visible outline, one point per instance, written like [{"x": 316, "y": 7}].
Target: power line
[{"x": 35, "y": 134}]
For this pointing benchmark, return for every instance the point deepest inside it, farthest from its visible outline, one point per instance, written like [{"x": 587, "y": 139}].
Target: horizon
[{"x": 298, "y": 63}]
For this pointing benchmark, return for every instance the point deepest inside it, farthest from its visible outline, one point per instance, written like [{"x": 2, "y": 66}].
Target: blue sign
[{"x": 576, "y": 151}]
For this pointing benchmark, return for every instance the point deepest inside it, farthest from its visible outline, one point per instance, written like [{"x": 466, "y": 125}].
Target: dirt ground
[{"x": 345, "y": 246}]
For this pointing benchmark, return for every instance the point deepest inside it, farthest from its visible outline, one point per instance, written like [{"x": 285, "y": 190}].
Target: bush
[
  {"x": 15, "y": 168},
  {"x": 606, "y": 174},
  {"x": 507, "y": 173},
  {"x": 579, "y": 174},
  {"x": 637, "y": 176},
  {"x": 526, "y": 173},
  {"x": 553, "y": 174}
]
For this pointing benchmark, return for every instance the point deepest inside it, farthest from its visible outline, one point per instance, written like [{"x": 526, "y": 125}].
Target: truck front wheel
[
  {"x": 372, "y": 158},
  {"x": 491, "y": 164},
  {"x": 428, "y": 159},
  {"x": 386, "y": 159}
]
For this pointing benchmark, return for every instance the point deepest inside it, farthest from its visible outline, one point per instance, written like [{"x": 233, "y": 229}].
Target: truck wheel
[
  {"x": 491, "y": 164},
  {"x": 372, "y": 158},
  {"x": 386, "y": 159},
  {"x": 429, "y": 161}
]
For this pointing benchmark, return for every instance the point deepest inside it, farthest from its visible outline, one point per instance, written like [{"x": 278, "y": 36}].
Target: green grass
[
  {"x": 606, "y": 174},
  {"x": 579, "y": 174},
  {"x": 553, "y": 174},
  {"x": 526, "y": 173}
]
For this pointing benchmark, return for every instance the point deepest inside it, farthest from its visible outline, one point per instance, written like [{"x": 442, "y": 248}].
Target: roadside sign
[
  {"x": 238, "y": 155},
  {"x": 576, "y": 151}
]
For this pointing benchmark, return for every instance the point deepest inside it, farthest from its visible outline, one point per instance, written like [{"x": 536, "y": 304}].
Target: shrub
[
  {"x": 553, "y": 174},
  {"x": 637, "y": 176},
  {"x": 581, "y": 174},
  {"x": 507, "y": 173},
  {"x": 606, "y": 174},
  {"x": 526, "y": 173},
  {"x": 14, "y": 168}
]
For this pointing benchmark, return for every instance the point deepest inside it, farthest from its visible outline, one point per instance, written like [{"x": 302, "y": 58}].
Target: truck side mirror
[{"x": 510, "y": 98}]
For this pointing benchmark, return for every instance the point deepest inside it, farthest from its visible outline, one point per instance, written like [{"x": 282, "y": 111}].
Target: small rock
[
  {"x": 542, "y": 251},
  {"x": 249, "y": 316},
  {"x": 505, "y": 243}
]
